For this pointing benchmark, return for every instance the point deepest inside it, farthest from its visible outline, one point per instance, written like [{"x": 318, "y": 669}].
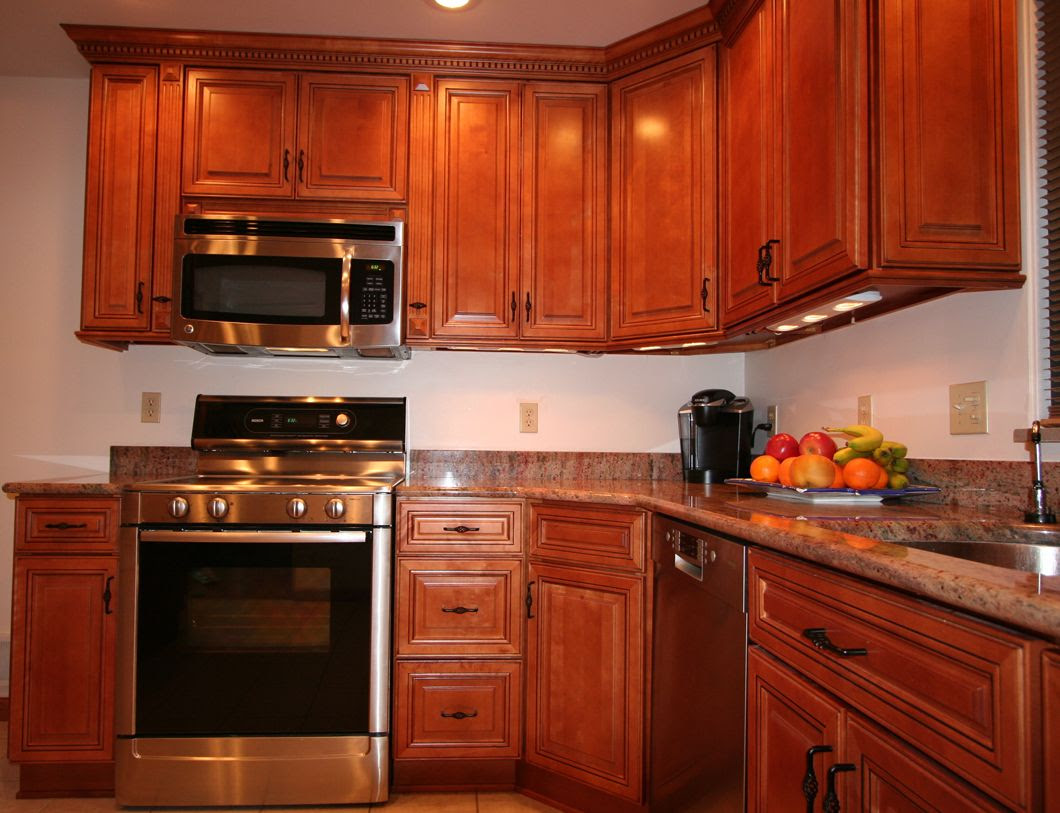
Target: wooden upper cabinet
[
  {"x": 476, "y": 224},
  {"x": 663, "y": 199},
  {"x": 280, "y": 134},
  {"x": 120, "y": 198},
  {"x": 564, "y": 212},
  {"x": 948, "y": 123}
]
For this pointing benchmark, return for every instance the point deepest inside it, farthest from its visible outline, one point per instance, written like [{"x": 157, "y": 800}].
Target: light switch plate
[
  {"x": 865, "y": 410},
  {"x": 968, "y": 413},
  {"x": 773, "y": 417}
]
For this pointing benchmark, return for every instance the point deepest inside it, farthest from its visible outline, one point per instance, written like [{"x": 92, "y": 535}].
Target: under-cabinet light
[
  {"x": 827, "y": 311},
  {"x": 454, "y": 5}
]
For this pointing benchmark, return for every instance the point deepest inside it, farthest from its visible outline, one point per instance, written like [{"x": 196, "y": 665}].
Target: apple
[
  {"x": 817, "y": 443},
  {"x": 782, "y": 446},
  {"x": 812, "y": 471}
]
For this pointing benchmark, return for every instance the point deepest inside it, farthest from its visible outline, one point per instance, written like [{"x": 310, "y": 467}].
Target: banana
[
  {"x": 898, "y": 450},
  {"x": 846, "y": 454},
  {"x": 883, "y": 456},
  {"x": 897, "y": 481},
  {"x": 863, "y": 438},
  {"x": 900, "y": 465}
]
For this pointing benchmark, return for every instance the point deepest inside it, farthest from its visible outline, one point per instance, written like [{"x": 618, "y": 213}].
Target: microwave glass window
[{"x": 270, "y": 290}]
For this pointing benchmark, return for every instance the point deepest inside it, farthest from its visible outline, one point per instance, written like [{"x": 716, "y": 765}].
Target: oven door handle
[{"x": 286, "y": 537}]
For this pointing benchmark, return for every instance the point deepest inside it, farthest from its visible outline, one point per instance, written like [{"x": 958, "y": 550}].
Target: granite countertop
[{"x": 845, "y": 537}]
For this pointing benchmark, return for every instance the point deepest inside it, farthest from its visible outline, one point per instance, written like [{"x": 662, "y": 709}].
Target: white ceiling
[{"x": 32, "y": 44}]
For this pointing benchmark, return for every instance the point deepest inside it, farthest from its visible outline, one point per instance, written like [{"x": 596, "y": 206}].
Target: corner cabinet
[
  {"x": 664, "y": 219},
  {"x": 61, "y": 733}
]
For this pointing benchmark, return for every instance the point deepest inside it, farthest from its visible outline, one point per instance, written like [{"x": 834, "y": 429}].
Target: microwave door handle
[{"x": 344, "y": 309}]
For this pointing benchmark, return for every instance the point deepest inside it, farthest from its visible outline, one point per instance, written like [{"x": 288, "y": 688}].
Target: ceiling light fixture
[{"x": 826, "y": 311}]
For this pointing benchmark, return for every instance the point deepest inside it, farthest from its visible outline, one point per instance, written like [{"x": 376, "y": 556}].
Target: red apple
[
  {"x": 782, "y": 446},
  {"x": 817, "y": 443}
]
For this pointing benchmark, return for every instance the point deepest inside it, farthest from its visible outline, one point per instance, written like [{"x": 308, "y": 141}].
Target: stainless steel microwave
[{"x": 273, "y": 287}]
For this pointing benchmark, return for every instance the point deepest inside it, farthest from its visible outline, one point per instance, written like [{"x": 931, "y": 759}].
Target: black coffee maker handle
[{"x": 713, "y": 398}]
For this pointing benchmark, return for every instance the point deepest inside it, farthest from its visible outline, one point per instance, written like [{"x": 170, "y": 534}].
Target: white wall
[{"x": 66, "y": 403}]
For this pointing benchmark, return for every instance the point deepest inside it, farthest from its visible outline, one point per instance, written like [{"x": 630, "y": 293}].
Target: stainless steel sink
[{"x": 1043, "y": 559}]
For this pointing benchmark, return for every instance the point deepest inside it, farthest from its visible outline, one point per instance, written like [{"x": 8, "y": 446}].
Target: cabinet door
[
  {"x": 663, "y": 180},
  {"x": 786, "y": 718},
  {"x": 62, "y": 659},
  {"x": 120, "y": 199},
  {"x": 585, "y": 700},
  {"x": 564, "y": 211},
  {"x": 749, "y": 174},
  {"x": 353, "y": 137},
  {"x": 948, "y": 154},
  {"x": 239, "y": 133},
  {"x": 476, "y": 223},
  {"x": 1051, "y": 734},
  {"x": 823, "y": 116}
]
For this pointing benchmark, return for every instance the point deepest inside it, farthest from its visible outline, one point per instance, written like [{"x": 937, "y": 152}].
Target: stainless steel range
[{"x": 253, "y": 643}]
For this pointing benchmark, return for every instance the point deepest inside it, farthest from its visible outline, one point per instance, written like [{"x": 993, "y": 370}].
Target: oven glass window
[
  {"x": 262, "y": 290},
  {"x": 253, "y": 639}
]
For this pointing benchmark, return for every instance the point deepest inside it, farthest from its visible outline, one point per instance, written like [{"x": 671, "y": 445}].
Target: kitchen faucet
[{"x": 1040, "y": 513}]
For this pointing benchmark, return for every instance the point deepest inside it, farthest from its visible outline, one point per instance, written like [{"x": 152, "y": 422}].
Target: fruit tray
[{"x": 847, "y": 495}]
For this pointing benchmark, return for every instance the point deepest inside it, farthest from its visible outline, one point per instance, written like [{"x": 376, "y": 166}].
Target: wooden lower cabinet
[
  {"x": 63, "y": 627},
  {"x": 1051, "y": 735}
]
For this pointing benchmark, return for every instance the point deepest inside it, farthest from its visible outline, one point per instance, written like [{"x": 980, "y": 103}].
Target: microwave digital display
[{"x": 261, "y": 289}]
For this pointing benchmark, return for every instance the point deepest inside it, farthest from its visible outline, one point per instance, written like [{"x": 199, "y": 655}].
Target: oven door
[{"x": 253, "y": 666}]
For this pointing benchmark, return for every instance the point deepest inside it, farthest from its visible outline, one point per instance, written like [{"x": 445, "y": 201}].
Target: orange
[
  {"x": 812, "y": 471},
  {"x": 884, "y": 479},
  {"x": 838, "y": 481},
  {"x": 765, "y": 468},
  {"x": 784, "y": 475},
  {"x": 862, "y": 472}
]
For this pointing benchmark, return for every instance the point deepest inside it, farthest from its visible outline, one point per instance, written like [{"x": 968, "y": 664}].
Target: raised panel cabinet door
[
  {"x": 239, "y": 129},
  {"x": 119, "y": 198},
  {"x": 890, "y": 776},
  {"x": 1051, "y": 734},
  {"x": 62, "y": 659},
  {"x": 564, "y": 213},
  {"x": 353, "y": 137},
  {"x": 948, "y": 122},
  {"x": 749, "y": 182},
  {"x": 794, "y": 735},
  {"x": 823, "y": 116},
  {"x": 663, "y": 186},
  {"x": 476, "y": 221},
  {"x": 585, "y": 677}
]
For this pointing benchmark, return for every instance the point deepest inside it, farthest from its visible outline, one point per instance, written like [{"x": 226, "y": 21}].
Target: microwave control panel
[{"x": 371, "y": 292}]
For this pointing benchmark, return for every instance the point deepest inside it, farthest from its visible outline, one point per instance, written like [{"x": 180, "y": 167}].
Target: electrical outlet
[
  {"x": 968, "y": 408},
  {"x": 865, "y": 410},
  {"x": 150, "y": 407},
  {"x": 772, "y": 414},
  {"x": 527, "y": 417}
]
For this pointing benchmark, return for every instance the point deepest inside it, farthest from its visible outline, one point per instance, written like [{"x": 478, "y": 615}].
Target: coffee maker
[{"x": 715, "y": 428}]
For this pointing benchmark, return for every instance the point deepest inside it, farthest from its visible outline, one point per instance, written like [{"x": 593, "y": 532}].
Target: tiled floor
[{"x": 420, "y": 802}]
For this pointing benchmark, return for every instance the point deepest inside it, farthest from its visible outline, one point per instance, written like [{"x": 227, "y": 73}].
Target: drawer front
[
  {"x": 597, "y": 535},
  {"x": 468, "y": 526},
  {"x": 457, "y": 710},
  {"x": 955, "y": 686},
  {"x": 459, "y": 607},
  {"x": 53, "y": 525}
]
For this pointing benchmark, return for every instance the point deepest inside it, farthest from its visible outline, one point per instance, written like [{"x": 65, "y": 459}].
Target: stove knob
[
  {"x": 335, "y": 508},
  {"x": 342, "y": 420},
  {"x": 217, "y": 507},
  {"x": 178, "y": 507},
  {"x": 296, "y": 508}
]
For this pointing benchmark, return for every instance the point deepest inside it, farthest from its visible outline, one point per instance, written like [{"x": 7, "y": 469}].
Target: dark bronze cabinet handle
[
  {"x": 139, "y": 297},
  {"x": 301, "y": 166},
  {"x": 461, "y": 715},
  {"x": 460, "y": 529},
  {"x": 106, "y": 596},
  {"x": 417, "y": 305},
  {"x": 459, "y": 610},
  {"x": 286, "y": 164},
  {"x": 819, "y": 638},
  {"x": 515, "y": 306},
  {"x": 529, "y": 600},
  {"x": 765, "y": 263},
  {"x": 703, "y": 294},
  {"x": 831, "y": 801},
  {"x": 527, "y": 306},
  {"x": 810, "y": 785},
  {"x": 65, "y": 526}
]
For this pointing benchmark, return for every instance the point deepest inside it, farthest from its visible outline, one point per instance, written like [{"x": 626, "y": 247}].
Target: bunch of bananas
[{"x": 867, "y": 441}]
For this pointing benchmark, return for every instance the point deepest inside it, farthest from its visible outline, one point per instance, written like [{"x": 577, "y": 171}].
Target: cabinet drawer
[
  {"x": 598, "y": 535},
  {"x": 53, "y": 525},
  {"x": 459, "y": 607},
  {"x": 469, "y": 526},
  {"x": 956, "y": 687},
  {"x": 457, "y": 710}
]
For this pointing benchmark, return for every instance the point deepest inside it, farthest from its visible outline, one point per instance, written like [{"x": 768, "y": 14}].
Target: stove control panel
[{"x": 248, "y": 507}]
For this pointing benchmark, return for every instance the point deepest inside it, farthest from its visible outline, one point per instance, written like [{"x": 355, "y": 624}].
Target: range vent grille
[{"x": 253, "y": 227}]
